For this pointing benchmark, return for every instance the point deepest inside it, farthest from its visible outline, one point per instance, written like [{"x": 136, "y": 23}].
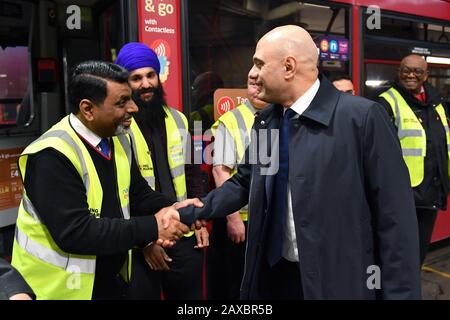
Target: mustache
[
  {"x": 145, "y": 90},
  {"x": 158, "y": 96}
]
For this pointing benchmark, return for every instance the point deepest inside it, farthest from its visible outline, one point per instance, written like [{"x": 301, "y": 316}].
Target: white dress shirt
[
  {"x": 290, "y": 250},
  {"x": 85, "y": 132}
]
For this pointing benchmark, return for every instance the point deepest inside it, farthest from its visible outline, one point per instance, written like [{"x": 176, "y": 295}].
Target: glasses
[{"x": 417, "y": 71}]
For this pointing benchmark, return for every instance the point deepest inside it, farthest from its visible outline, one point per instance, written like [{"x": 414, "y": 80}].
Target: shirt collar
[
  {"x": 304, "y": 101},
  {"x": 83, "y": 131},
  {"x": 422, "y": 89}
]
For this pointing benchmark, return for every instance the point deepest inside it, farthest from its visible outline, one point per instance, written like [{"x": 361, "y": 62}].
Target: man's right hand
[
  {"x": 21, "y": 296},
  {"x": 156, "y": 257},
  {"x": 235, "y": 228},
  {"x": 170, "y": 229}
]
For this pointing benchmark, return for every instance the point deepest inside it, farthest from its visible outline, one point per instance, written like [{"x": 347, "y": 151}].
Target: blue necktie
[
  {"x": 279, "y": 198},
  {"x": 104, "y": 146}
]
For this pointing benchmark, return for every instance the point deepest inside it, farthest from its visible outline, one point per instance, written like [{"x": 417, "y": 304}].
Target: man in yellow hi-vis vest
[
  {"x": 418, "y": 113},
  {"x": 232, "y": 134},
  {"x": 85, "y": 205},
  {"x": 158, "y": 135}
]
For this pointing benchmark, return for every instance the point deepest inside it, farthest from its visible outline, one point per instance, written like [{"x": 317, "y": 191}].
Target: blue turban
[{"x": 135, "y": 55}]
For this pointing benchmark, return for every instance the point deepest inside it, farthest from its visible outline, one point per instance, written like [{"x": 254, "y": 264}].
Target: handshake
[{"x": 170, "y": 229}]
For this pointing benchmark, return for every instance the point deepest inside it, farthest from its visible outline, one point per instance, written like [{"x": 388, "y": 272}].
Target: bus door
[
  {"x": 98, "y": 35},
  {"x": 17, "y": 104}
]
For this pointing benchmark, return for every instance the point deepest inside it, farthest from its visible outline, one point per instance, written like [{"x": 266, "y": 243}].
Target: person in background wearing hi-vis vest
[
  {"x": 85, "y": 204},
  {"x": 158, "y": 135},
  {"x": 232, "y": 134},
  {"x": 416, "y": 109}
]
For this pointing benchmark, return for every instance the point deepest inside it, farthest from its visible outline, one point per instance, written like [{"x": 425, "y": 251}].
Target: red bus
[{"x": 203, "y": 45}]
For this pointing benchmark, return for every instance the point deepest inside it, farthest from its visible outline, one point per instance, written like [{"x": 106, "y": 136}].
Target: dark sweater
[
  {"x": 196, "y": 179},
  {"x": 156, "y": 139},
  {"x": 57, "y": 192},
  {"x": 11, "y": 282}
]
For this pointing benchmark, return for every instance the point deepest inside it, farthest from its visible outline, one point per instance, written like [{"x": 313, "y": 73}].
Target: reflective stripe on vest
[
  {"x": 411, "y": 134},
  {"x": 176, "y": 132},
  {"x": 51, "y": 272},
  {"x": 441, "y": 111},
  {"x": 122, "y": 148},
  {"x": 238, "y": 122},
  {"x": 48, "y": 255},
  {"x": 54, "y": 258}
]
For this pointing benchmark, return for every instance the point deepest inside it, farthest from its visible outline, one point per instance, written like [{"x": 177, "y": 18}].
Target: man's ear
[
  {"x": 87, "y": 109},
  {"x": 290, "y": 67},
  {"x": 427, "y": 73}
]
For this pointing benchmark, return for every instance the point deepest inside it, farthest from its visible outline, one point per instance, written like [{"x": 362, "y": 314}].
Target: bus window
[
  {"x": 13, "y": 82},
  {"x": 440, "y": 78},
  {"x": 398, "y": 37},
  {"x": 100, "y": 37},
  {"x": 381, "y": 65},
  {"x": 223, "y": 35},
  {"x": 395, "y": 26}
]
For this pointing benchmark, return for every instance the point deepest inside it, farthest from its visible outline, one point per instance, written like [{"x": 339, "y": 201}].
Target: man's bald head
[
  {"x": 291, "y": 40},
  {"x": 285, "y": 64},
  {"x": 413, "y": 72},
  {"x": 416, "y": 59}
]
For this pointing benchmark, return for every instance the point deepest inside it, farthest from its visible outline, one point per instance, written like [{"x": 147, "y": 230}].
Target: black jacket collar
[
  {"x": 320, "y": 110},
  {"x": 432, "y": 95}
]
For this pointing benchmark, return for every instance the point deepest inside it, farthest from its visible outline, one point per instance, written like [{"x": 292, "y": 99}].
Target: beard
[
  {"x": 151, "y": 113},
  {"x": 121, "y": 130}
]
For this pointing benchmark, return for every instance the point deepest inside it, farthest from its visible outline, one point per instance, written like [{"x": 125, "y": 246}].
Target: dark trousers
[
  {"x": 184, "y": 280},
  {"x": 425, "y": 219},
  {"x": 225, "y": 263},
  {"x": 113, "y": 288},
  {"x": 285, "y": 281}
]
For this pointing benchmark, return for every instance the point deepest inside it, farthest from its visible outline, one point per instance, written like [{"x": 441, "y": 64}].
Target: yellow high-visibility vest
[
  {"x": 238, "y": 123},
  {"x": 176, "y": 131},
  {"x": 412, "y": 135},
  {"x": 51, "y": 272}
]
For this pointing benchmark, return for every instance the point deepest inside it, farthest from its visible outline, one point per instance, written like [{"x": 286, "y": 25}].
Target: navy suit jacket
[{"x": 353, "y": 206}]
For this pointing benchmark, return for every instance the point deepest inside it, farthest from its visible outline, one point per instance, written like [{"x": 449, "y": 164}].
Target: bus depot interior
[{"x": 39, "y": 44}]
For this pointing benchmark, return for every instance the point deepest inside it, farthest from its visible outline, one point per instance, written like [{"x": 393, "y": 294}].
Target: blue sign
[{"x": 333, "y": 48}]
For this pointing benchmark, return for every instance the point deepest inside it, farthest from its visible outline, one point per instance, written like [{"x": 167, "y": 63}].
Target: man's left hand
[
  {"x": 202, "y": 236},
  {"x": 194, "y": 201}
]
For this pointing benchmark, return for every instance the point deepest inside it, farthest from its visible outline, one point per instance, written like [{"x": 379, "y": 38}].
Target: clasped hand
[{"x": 170, "y": 229}]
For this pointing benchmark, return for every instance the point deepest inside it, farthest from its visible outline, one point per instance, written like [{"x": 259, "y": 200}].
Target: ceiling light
[
  {"x": 439, "y": 60},
  {"x": 313, "y": 5},
  {"x": 374, "y": 83}
]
